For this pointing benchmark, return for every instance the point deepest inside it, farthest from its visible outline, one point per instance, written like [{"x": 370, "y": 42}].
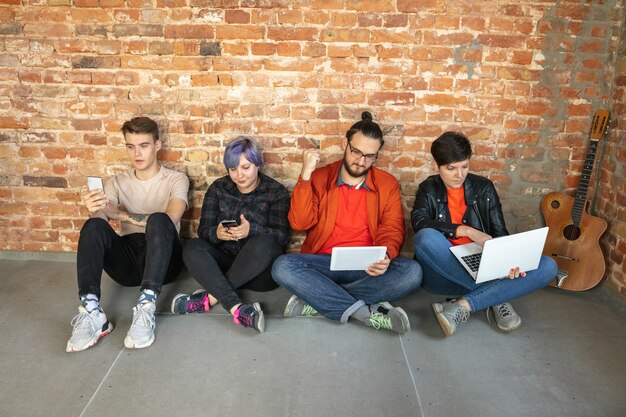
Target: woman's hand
[
  {"x": 474, "y": 234},
  {"x": 234, "y": 233},
  {"x": 516, "y": 273}
]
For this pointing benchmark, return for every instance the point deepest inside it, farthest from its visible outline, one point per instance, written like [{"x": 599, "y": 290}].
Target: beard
[{"x": 355, "y": 170}]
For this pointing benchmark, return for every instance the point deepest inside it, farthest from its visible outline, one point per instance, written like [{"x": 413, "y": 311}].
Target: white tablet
[{"x": 352, "y": 258}]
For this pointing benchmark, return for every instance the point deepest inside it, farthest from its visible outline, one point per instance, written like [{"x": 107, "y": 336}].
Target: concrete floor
[{"x": 567, "y": 359}]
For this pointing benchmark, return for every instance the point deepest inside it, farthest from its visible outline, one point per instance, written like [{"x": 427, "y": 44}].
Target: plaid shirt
[{"x": 265, "y": 208}]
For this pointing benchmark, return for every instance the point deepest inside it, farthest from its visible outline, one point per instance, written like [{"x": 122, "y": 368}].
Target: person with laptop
[
  {"x": 457, "y": 207},
  {"x": 348, "y": 203}
]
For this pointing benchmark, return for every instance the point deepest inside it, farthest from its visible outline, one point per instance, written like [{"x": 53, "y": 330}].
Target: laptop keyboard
[{"x": 472, "y": 261}]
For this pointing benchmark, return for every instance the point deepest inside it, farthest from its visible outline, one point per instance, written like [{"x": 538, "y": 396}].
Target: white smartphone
[
  {"x": 95, "y": 183},
  {"x": 229, "y": 223}
]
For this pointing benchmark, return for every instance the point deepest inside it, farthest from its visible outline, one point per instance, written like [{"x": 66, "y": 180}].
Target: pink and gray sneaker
[
  {"x": 198, "y": 302},
  {"x": 251, "y": 316}
]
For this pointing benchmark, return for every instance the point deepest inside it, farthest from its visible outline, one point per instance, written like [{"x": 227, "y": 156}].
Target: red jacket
[{"x": 314, "y": 206}]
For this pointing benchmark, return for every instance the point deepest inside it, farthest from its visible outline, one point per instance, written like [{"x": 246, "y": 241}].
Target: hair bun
[{"x": 366, "y": 116}]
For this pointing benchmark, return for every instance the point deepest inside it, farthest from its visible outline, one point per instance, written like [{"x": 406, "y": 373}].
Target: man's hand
[
  {"x": 379, "y": 267},
  {"x": 310, "y": 158},
  {"x": 94, "y": 200}
]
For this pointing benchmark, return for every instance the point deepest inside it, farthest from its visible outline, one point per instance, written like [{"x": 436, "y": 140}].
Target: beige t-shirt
[{"x": 133, "y": 195}]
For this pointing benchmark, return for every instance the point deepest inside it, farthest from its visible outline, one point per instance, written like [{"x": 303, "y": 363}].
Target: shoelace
[
  {"x": 380, "y": 321},
  {"x": 308, "y": 311},
  {"x": 78, "y": 321},
  {"x": 198, "y": 304},
  {"x": 242, "y": 318},
  {"x": 142, "y": 317},
  {"x": 461, "y": 315},
  {"x": 503, "y": 310}
]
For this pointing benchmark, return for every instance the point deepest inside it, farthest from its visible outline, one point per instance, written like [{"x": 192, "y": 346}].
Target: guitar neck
[{"x": 583, "y": 185}]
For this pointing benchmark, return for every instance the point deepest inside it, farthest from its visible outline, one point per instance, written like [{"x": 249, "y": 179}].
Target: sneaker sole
[
  {"x": 132, "y": 345},
  {"x": 443, "y": 322},
  {"x": 260, "y": 322},
  {"x": 406, "y": 325},
  {"x": 109, "y": 329}
]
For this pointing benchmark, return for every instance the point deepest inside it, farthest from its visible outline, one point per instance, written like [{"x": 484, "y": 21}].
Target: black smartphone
[{"x": 229, "y": 223}]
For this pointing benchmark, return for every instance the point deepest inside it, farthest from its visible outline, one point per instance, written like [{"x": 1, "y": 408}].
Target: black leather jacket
[{"x": 484, "y": 211}]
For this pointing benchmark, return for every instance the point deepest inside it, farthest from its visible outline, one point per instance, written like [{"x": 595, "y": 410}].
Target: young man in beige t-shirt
[{"x": 149, "y": 200}]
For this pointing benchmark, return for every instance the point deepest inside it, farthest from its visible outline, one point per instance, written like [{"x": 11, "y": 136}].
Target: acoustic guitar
[{"x": 574, "y": 235}]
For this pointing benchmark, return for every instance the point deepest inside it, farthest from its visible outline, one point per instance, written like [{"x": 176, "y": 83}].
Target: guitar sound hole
[
  {"x": 571, "y": 232},
  {"x": 555, "y": 204}
]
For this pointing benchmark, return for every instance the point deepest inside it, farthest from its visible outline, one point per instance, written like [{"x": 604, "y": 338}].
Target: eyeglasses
[{"x": 369, "y": 157}]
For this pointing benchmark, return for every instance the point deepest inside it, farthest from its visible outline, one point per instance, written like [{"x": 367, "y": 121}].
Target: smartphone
[
  {"x": 95, "y": 183},
  {"x": 229, "y": 223}
]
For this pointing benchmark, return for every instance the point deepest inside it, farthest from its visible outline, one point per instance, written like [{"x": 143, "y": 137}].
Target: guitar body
[{"x": 575, "y": 249}]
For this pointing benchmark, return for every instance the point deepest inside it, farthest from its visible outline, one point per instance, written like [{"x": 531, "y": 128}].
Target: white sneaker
[
  {"x": 141, "y": 332},
  {"x": 88, "y": 329}
]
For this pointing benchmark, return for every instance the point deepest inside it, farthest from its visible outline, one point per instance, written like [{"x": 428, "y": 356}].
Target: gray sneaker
[
  {"x": 506, "y": 318},
  {"x": 450, "y": 315},
  {"x": 141, "y": 332},
  {"x": 386, "y": 316},
  {"x": 297, "y": 307},
  {"x": 88, "y": 329}
]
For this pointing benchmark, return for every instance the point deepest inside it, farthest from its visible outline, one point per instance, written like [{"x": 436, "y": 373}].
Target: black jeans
[
  {"x": 221, "y": 273},
  {"x": 149, "y": 259}
]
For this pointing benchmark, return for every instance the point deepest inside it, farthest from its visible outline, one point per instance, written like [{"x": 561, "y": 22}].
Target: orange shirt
[
  {"x": 457, "y": 207},
  {"x": 351, "y": 227}
]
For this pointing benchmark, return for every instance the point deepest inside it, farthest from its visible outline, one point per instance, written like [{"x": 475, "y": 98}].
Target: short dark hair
[
  {"x": 451, "y": 147},
  {"x": 141, "y": 125},
  {"x": 367, "y": 127}
]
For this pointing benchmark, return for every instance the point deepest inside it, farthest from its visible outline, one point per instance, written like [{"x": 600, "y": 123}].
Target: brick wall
[
  {"x": 611, "y": 203},
  {"x": 520, "y": 78}
]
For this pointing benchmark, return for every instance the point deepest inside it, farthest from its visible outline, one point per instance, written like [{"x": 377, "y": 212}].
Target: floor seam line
[
  {"x": 408, "y": 365},
  {"x": 101, "y": 383}
]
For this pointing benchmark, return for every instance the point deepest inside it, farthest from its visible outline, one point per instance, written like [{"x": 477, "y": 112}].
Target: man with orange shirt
[{"x": 348, "y": 203}]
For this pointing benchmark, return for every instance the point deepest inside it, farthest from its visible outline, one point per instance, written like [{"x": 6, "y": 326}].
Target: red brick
[
  {"x": 54, "y": 153},
  {"x": 288, "y": 49},
  {"x": 263, "y": 48},
  {"x": 292, "y": 17},
  {"x": 345, "y": 35},
  {"x": 327, "y": 4},
  {"x": 239, "y": 32},
  {"x": 301, "y": 34},
  {"x": 370, "y": 5},
  {"x": 189, "y": 31},
  {"x": 7, "y": 122},
  {"x": 236, "y": 16}
]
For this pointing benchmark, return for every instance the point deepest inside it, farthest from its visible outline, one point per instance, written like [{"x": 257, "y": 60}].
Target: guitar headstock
[{"x": 600, "y": 124}]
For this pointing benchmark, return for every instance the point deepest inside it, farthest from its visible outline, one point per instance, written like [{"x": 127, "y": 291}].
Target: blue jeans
[
  {"x": 443, "y": 274},
  {"x": 338, "y": 294}
]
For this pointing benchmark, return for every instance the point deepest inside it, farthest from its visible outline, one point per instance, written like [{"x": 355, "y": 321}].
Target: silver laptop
[
  {"x": 352, "y": 258},
  {"x": 500, "y": 254}
]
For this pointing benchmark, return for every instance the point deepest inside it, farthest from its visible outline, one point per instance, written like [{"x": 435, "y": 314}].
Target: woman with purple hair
[{"x": 243, "y": 228}]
